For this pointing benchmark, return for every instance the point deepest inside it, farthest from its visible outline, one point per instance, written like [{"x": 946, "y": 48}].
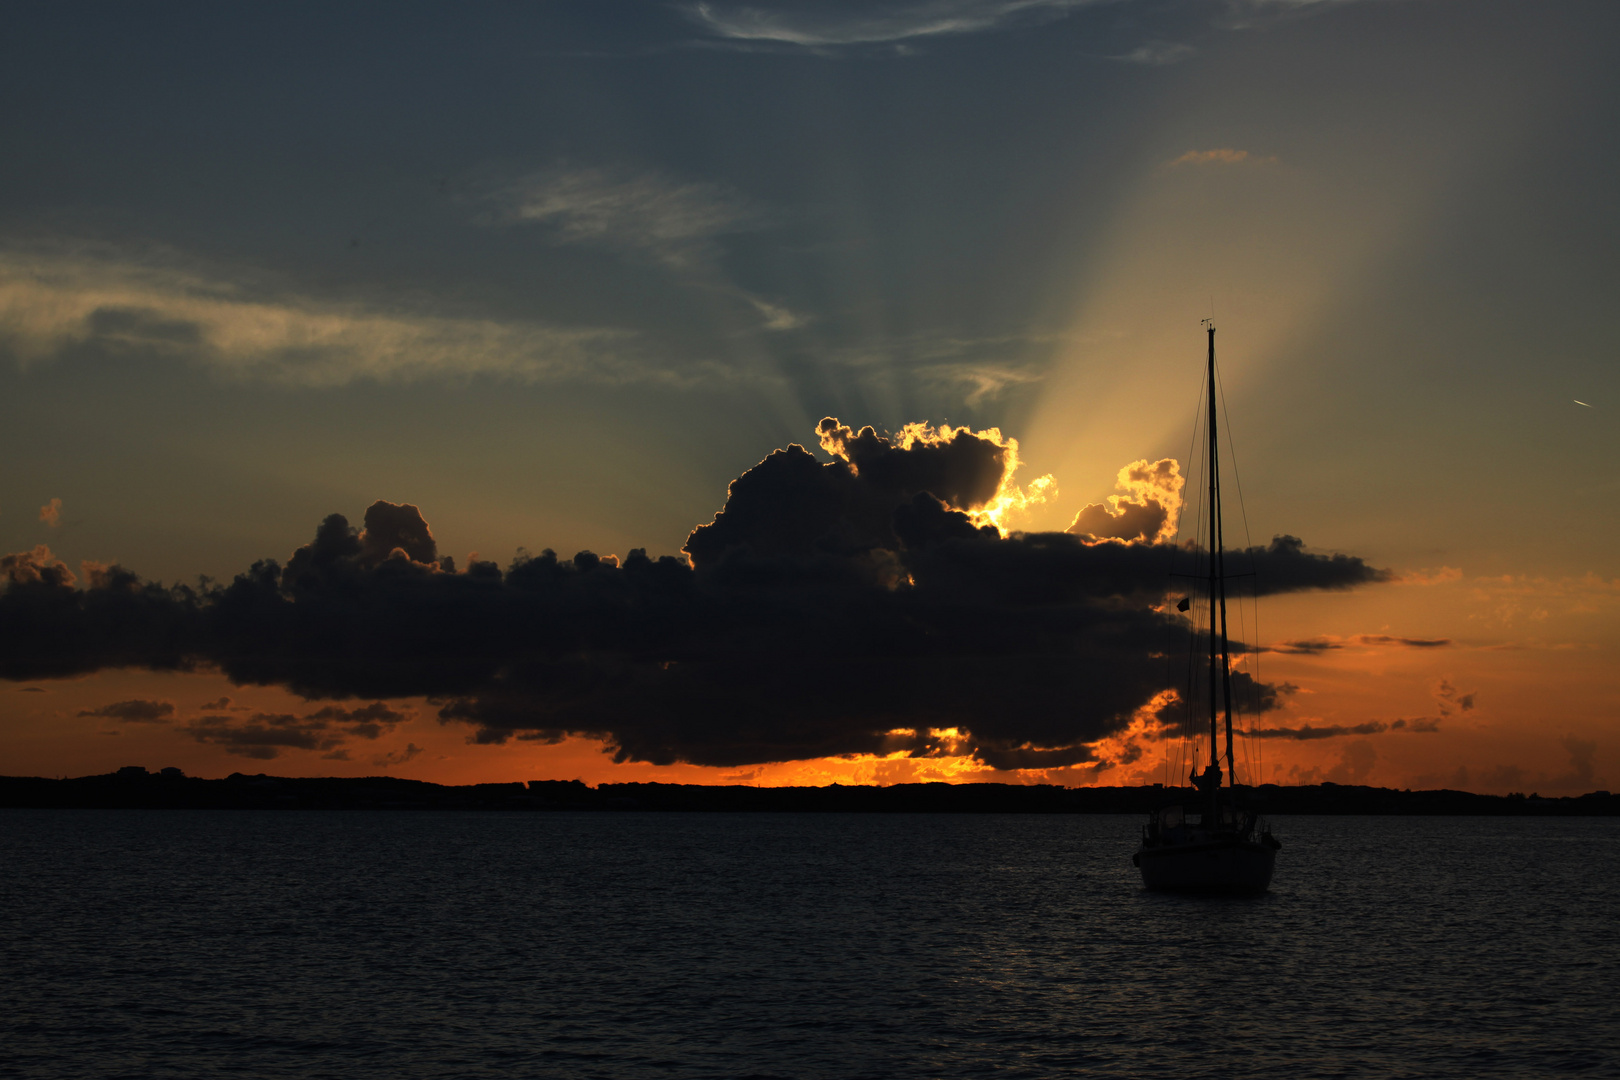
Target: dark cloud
[
  {"x": 1318, "y": 645},
  {"x": 368, "y": 722},
  {"x": 134, "y": 711},
  {"x": 1403, "y": 642},
  {"x": 791, "y": 505},
  {"x": 1308, "y": 646},
  {"x": 1183, "y": 714},
  {"x": 1582, "y": 761},
  {"x": 394, "y": 532},
  {"x": 862, "y": 605},
  {"x": 959, "y": 467},
  {"x": 397, "y": 757},
  {"x": 265, "y": 735},
  {"x": 1307, "y": 732},
  {"x": 262, "y": 736},
  {"x": 1451, "y": 700},
  {"x": 49, "y": 628},
  {"x": 1285, "y": 566}
]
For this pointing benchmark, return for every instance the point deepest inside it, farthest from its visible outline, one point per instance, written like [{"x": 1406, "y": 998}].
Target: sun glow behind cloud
[
  {"x": 1011, "y": 503},
  {"x": 1257, "y": 241}
]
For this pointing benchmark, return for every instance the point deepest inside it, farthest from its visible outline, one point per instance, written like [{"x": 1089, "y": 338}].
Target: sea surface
[{"x": 243, "y": 944}]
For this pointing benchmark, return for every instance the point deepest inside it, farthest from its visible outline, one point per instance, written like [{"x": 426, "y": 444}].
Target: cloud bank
[{"x": 864, "y": 605}]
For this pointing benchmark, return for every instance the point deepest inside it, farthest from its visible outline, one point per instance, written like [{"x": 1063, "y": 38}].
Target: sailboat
[{"x": 1209, "y": 841}]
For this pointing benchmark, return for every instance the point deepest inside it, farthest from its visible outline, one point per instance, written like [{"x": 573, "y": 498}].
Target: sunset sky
[{"x": 558, "y": 273}]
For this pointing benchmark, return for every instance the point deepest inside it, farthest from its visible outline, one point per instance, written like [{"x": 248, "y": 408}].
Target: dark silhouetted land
[{"x": 134, "y": 787}]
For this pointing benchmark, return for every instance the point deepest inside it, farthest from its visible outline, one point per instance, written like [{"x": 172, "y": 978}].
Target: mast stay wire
[
  {"x": 1191, "y": 728},
  {"x": 1257, "y": 749},
  {"x": 1187, "y": 723}
]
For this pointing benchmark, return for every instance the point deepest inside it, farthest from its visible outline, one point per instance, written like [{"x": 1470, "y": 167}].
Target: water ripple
[{"x": 160, "y": 944}]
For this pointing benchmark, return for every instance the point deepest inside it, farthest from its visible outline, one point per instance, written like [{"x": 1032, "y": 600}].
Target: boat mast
[
  {"x": 1219, "y": 655},
  {"x": 1214, "y": 547}
]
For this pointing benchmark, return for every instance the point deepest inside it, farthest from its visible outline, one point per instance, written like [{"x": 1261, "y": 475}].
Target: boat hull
[{"x": 1219, "y": 866}]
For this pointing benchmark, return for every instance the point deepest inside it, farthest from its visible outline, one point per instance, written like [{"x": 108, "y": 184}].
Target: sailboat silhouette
[{"x": 1209, "y": 842}]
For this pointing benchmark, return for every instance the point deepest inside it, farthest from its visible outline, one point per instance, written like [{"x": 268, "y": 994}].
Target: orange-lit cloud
[
  {"x": 51, "y": 513},
  {"x": 36, "y": 566},
  {"x": 1149, "y": 511},
  {"x": 1444, "y": 575}
]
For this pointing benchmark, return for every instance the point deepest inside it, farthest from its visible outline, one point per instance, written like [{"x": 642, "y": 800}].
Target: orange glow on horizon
[{"x": 1441, "y": 680}]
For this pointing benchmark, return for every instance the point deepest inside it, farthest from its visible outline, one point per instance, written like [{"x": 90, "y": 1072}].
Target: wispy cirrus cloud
[
  {"x": 811, "y": 27},
  {"x": 1223, "y": 155},
  {"x": 57, "y": 300},
  {"x": 829, "y": 28},
  {"x": 646, "y": 216},
  {"x": 979, "y": 367},
  {"x": 1243, "y": 14},
  {"x": 775, "y": 316},
  {"x": 669, "y": 220},
  {"x": 1157, "y": 54}
]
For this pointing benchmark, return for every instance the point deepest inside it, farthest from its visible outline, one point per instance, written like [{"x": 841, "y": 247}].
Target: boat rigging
[{"x": 1221, "y": 846}]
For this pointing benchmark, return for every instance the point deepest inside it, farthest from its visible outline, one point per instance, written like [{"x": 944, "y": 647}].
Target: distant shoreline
[{"x": 135, "y": 788}]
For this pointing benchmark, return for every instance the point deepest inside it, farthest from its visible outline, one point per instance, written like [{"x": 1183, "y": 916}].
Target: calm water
[{"x": 244, "y": 945}]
